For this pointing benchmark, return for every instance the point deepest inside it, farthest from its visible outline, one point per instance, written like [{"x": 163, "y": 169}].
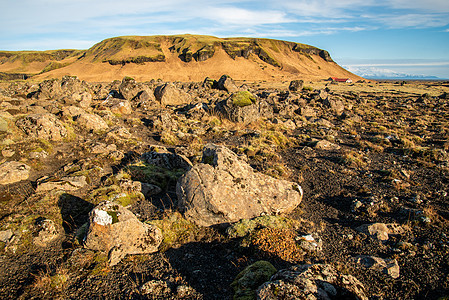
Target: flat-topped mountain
[{"x": 177, "y": 58}]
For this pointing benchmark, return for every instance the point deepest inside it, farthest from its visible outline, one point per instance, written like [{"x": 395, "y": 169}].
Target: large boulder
[
  {"x": 225, "y": 189},
  {"x": 316, "y": 281},
  {"x": 13, "y": 171},
  {"x": 91, "y": 122},
  {"x": 168, "y": 94},
  {"x": 129, "y": 88},
  {"x": 43, "y": 126},
  {"x": 244, "y": 107},
  {"x": 116, "y": 230}
]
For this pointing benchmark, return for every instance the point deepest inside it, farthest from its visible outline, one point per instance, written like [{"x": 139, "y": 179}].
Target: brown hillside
[{"x": 179, "y": 58}]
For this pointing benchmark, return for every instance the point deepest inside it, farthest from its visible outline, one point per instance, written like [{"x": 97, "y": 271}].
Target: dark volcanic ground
[{"x": 384, "y": 160}]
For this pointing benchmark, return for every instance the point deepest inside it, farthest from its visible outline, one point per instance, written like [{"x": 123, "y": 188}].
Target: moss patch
[
  {"x": 176, "y": 230},
  {"x": 243, "y": 98},
  {"x": 152, "y": 174},
  {"x": 247, "y": 281}
]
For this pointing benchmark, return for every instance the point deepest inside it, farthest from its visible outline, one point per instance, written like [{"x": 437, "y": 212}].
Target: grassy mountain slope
[{"x": 179, "y": 58}]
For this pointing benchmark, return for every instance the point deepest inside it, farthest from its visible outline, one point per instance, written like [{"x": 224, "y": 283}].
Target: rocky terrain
[
  {"x": 175, "y": 58},
  {"x": 223, "y": 189}
]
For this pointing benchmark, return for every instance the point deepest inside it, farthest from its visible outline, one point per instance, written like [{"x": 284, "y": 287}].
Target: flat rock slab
[
  {"x": 13, "y": 171},
  {"x": 225, "y": 189}
]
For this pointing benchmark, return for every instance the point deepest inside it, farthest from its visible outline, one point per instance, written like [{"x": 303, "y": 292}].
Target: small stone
[
  {"x": 377, "y": 230},
  {"x": 387, "y": 266},
  {"x": 6, "y": 235},
  {"x": 155, "y": 288},
  {"x": 47, "y": 233}
]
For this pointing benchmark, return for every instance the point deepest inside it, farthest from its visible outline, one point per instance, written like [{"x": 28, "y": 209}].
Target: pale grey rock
[
  {"x": 227, "y": 84},
  {"x": 225, "y": 189},
  {"x": 387, "y": 266},
  {"x": 91, "y": 122},
  {"x": 13, "y": 171},
  {"x": 6, "y": 235},
  {"x": 116, "y": 230},
  {"x": 326, "y": 145},
  {"x": 47, "y": 233},
  {"x": 70, "y": 183},
  {"x": 156, "y": 288},
  {"x": 380, "y": 231},
  {"x": 168, "y": 94}
]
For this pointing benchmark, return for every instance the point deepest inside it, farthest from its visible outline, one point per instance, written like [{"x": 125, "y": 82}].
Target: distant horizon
[{"x": 351, "y": 30}]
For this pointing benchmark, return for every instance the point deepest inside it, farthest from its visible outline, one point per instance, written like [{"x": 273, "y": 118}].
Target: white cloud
[
  {"x": 244, "y": 17},
  {"x": 397, "y": 20}
]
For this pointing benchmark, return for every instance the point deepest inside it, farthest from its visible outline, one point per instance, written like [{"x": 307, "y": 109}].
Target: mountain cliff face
[{"x": 180, "y": 57}]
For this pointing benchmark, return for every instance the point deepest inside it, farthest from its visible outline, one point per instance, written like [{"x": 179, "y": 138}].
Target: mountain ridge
[{"x": 178, "y": 58}]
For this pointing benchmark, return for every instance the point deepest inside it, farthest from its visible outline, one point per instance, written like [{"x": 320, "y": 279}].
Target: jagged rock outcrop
[{"x": 224, "y": 189}]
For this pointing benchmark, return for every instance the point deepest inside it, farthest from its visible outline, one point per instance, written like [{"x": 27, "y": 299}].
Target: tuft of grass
[{"x": 168, "y": 138}]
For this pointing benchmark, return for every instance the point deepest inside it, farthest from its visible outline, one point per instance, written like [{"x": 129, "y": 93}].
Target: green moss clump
[
  {"x": 247, "y": 281},
  {"x": 243, "y": 98},
  {"x": 152, "y": 174},
  {"x": 175, "y": 229}
]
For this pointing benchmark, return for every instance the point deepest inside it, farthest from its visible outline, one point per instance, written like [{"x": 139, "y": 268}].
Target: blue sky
[{"x": 402, "y": 36}]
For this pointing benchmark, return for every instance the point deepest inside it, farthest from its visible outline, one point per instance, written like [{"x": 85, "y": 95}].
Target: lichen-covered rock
[
  {"x": 224, "y": 189},
  {"x": 91, "y": 122},
  {"x": 243, "y": 107},
  {"x": 13, "y": 171},
  {"x": 312, "y": 282},
  {"x": 376, "y": 230},
  {"x": 47, "y": 232},
  {"x": 43, "y": 126},
  {"x": 168, "y": 94},
  {"x": 116, "y": 230},
  {"x": 326, "y": 145},
  {"x": 121, "y": 107},
  {"x": 129, "y": 88},
  {"x": 156, "y": 288},
  {"x": 248, "y": 280}
]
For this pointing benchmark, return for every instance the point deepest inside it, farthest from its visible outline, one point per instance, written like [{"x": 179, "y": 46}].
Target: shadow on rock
[{"x": 74, "y": 211}]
